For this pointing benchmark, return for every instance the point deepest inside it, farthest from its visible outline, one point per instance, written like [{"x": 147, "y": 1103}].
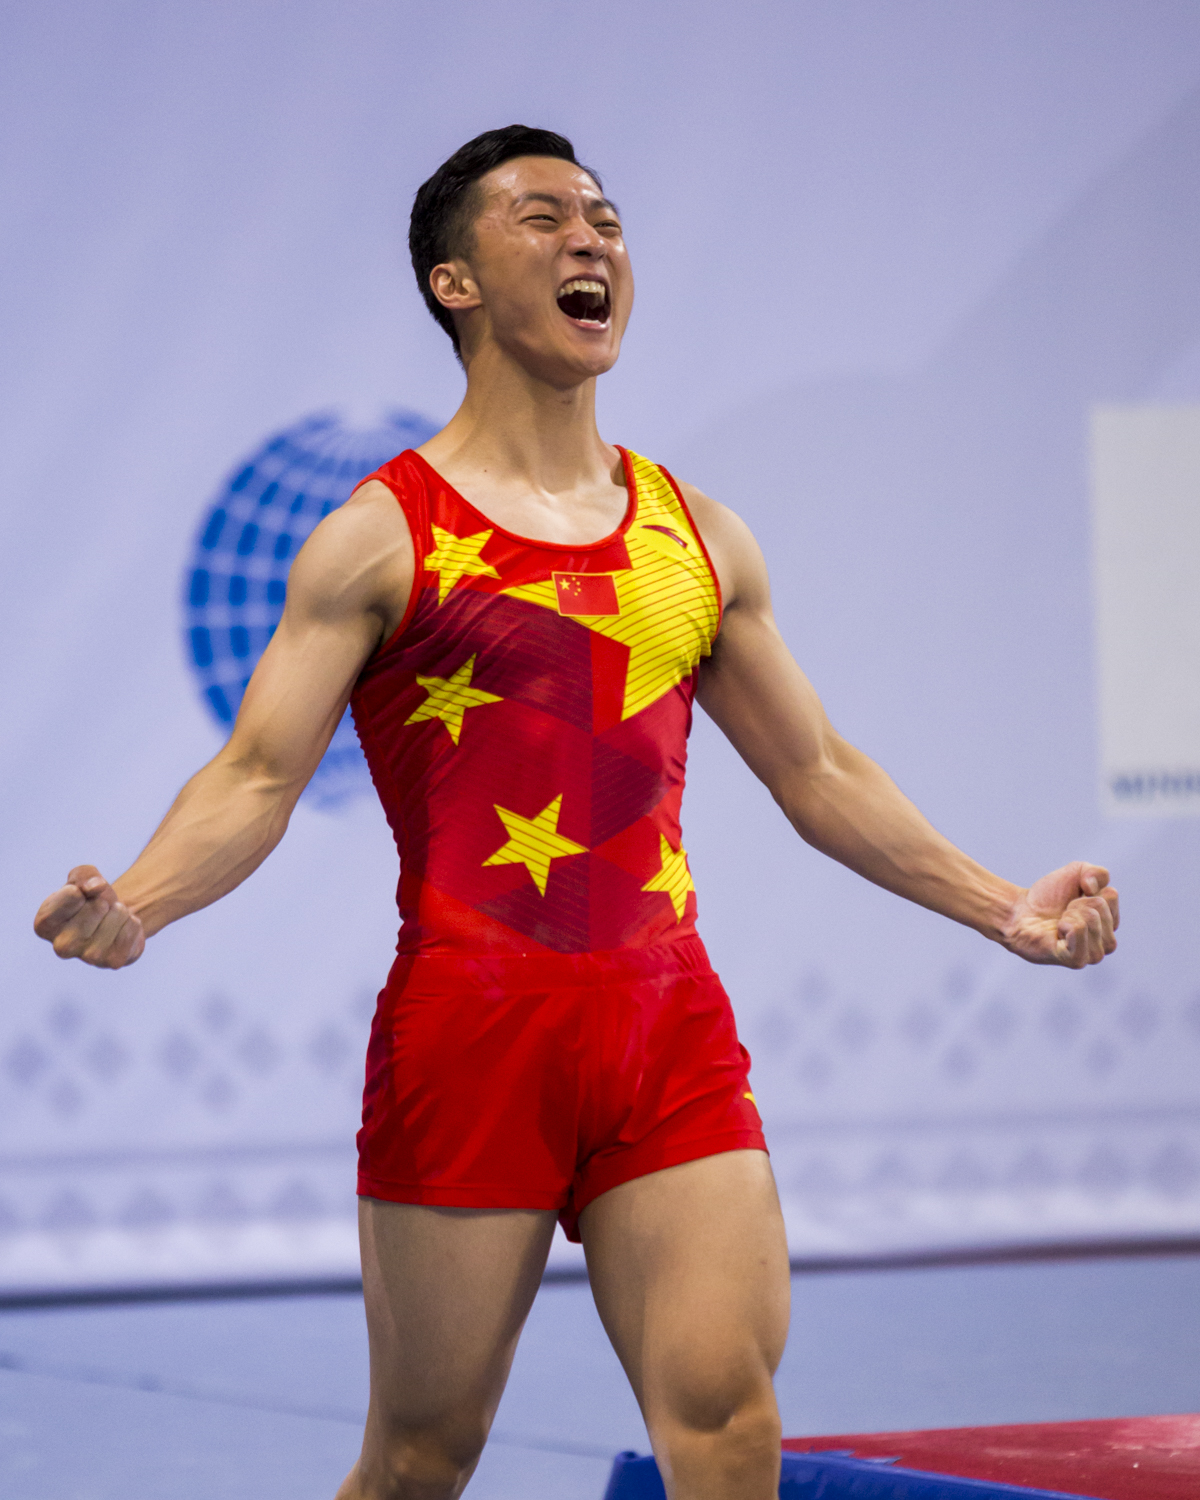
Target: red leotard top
[{"x": 526, "y": 725}]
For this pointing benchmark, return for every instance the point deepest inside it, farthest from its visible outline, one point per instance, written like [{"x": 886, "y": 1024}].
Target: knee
[
  {"x": 721, "y": 1426},
  {"x": 417, "y": 1465},
  {"x": 748, "y": 1427}
]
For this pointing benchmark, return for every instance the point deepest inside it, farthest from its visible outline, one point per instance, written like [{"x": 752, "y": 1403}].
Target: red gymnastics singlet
[
  {"x": 551, "y": 1027},
  {"x": 526, "y": 725}
]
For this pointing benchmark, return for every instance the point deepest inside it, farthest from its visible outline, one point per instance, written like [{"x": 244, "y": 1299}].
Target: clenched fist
[
  {"x": 86, "y": 920},
  {"x": 1068, "y": 917}
]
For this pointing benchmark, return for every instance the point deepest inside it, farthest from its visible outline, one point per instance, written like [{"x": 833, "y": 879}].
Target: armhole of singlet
[
  {"x": 696, "y": 532},
  {"x": 416, "y": 535}
]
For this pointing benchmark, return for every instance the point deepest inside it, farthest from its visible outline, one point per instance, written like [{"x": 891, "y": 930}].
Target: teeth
[{"x": 583, "y": 286}]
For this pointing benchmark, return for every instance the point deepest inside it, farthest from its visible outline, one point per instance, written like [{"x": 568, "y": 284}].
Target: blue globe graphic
[{"x": 236, "y": 580}]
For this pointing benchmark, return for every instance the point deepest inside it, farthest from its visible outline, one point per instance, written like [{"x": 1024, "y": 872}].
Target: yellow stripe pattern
[
  {"x": 669, "y": 608},
  {"x": 455, "y": 557},
  {"x": 450, "y": 697},
  {"x": 674, "y": 878},
  {"x": 534, "y": 842}
]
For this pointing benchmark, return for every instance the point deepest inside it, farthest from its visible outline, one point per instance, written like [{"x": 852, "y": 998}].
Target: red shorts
[{"x": 520, "y": 1081}]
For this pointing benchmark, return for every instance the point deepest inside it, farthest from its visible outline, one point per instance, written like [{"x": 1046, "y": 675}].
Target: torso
[
  {"x": 526, "y": 724},
  {"x": 590, "y": 508}
]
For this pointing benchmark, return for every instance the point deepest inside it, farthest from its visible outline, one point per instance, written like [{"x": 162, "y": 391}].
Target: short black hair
[{"x": 445, "y": 206}]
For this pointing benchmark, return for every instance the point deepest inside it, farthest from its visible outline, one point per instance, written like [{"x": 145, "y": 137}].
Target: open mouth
[{"x": 585, "y": 301}]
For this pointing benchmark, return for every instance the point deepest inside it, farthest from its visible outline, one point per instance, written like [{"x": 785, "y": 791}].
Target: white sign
[{"x": 1146, "y": 511}]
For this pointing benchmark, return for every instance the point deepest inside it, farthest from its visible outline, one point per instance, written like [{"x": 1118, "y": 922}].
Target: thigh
[
  {"x": 447, "y": 1291},
  {"x": 689, "y": 1268}
]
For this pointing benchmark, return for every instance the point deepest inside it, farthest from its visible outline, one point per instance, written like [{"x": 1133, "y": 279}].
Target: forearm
[
  {"x": 220, "y": 828},
  {"x": 850, "y": 809}
]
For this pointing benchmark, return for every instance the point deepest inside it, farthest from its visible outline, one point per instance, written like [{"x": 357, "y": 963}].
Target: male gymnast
[{"x": 520, "y": 614}]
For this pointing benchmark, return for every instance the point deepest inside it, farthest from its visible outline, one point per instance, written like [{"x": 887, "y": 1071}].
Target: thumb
[{"x": 1092, "y": 879}]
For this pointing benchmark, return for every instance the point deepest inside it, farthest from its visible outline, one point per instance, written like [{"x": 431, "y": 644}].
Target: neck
[{"x": 516, "y": 428}]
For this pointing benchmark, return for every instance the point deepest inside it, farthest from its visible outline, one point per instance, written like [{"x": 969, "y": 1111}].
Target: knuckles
[{"x": 121, "y": 948}]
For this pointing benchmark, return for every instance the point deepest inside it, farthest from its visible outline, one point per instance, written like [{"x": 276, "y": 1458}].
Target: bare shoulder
[
  {"x": 359, "y": 558},
  {"x": 735, "y": 554}
]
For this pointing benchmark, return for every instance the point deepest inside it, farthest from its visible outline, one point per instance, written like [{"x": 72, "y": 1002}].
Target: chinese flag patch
[{"x": 587, "y": 594}]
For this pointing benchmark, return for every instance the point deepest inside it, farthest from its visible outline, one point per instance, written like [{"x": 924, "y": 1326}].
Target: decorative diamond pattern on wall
[
  {"x": 933, "y": 1121},
  {"x": 251, "y": 1172},
  {"x": 1089, "y": 1033}
]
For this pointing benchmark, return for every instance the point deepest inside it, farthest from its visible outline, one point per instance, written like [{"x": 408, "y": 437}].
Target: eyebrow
[{"x": 556, "y": 202}]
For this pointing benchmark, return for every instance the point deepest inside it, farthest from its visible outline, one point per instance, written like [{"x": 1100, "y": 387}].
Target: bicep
[
  {"x": 342, "y": 590},
  {"x": 754, "y": 690},
  {"x": 752, "y": 686},
  {"x": 298, "y": 693}
]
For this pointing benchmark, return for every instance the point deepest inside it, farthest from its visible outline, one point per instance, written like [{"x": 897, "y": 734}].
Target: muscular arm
[
  {"x": 842, "y": 803},
  {"x": 346, "y": 592}
]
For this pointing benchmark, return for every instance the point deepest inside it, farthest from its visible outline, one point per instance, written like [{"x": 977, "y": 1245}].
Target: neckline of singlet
[{"x": 631, "y": 507}]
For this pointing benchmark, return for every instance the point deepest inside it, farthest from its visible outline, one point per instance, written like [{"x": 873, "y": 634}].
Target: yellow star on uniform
[
  {"x": 674, "y": 878},
  {"x": 668, "y": 607},
  {"x": 534, "y": 842},
  {"x": 450, "y": 697},
  {"x": 457, "y": 557}
]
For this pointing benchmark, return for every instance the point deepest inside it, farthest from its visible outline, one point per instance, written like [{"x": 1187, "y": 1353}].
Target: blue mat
[{"x": 834, "y": 1476}]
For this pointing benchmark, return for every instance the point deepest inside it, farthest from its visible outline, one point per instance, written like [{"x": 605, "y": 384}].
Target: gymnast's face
[{"x": 545, "y": 278}]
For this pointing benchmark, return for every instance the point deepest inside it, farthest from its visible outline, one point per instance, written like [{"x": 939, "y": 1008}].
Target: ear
[{"x": 454, "y": 287}]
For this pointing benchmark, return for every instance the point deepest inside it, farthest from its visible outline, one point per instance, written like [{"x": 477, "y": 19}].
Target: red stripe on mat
[{"x": 1132, "y": 1458}]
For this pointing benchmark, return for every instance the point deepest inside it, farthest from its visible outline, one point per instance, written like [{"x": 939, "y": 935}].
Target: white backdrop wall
[{"x": 889, "y": 258}]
